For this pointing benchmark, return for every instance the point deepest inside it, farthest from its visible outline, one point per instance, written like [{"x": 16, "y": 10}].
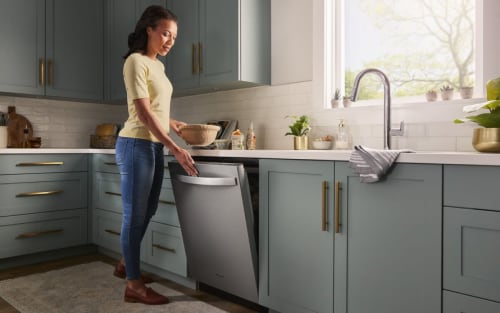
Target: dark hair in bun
[{"x": 138, "y": 40}]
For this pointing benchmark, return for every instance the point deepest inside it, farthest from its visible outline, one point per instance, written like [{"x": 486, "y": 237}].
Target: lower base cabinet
[
  {"x": 295, "y": 251},
  {"x": 38, "y": 232},
  {"x": 388, "y": 246},
  {"x": 459, "y": 303}
]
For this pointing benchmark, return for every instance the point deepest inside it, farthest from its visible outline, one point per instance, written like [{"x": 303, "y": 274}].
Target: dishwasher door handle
[{"x": 207, "y": 181}]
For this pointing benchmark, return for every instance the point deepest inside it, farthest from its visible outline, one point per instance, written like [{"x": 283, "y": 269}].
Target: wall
[{"x": 64, "y": 124}]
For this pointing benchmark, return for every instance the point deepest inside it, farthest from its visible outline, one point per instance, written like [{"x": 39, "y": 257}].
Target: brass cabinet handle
[
  {"x": 109, "y": 163},
  {"x": 42, "y": 71},
  {"x": 167, "y": 202},
  {"x": 324, "y": 193},
  {"x": 39, "y": 163},
  {"x": 193, "y": 59},
  {"x": 113, "y": 193},
  {"x": 38, "y": 193},
  {"x": 337, "y": 207},
  {"x": 39, "y": 233},
  {"x": 110, "y": 231},
  {"x": 200, "y": 68},
  {"x": 164, "y": 248},
  {"x": 51, "y": 72}
]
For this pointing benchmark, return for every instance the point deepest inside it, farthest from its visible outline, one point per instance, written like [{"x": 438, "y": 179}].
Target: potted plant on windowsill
[
  {"x": 487, "y": 137},
  {"x": 446, "y": 92},
  {"x": 336, "y": 98},
  {"x": 299, "y": 129}
]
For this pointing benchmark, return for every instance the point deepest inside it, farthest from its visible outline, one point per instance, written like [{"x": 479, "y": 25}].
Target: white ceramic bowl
[
  {"x": 319, "y": 144},
  {"x": 199, "y": 134}
]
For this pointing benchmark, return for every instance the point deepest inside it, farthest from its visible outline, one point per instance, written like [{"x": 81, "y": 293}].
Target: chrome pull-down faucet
[{"x": 388, "y": 131}]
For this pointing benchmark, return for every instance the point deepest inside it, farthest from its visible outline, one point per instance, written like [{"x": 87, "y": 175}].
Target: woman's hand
[
  {"x": 186, "y": 161},
  {"x": 176, "y": 126}
]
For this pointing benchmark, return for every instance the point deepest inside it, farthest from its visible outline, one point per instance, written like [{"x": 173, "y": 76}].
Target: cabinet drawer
[
  {"x": 104, "y": 163},
  {"x": 167, "y": 211},
  {"x": 43, "y": 163},
  {"x": 471, "y": 186},
  {"x": 458, "y": 303},
  {"x": 107, "y": 192},
  {"x": 33, "y": 193},
  {"x": 107, "y": 229},
  {"x": 39, "y": 232},
  {"x": 471, "y": 252},
  {"x": 166, "y": 248}
]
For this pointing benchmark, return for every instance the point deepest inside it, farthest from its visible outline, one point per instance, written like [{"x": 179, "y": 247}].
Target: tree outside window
[{"x": 420, "y": 44}]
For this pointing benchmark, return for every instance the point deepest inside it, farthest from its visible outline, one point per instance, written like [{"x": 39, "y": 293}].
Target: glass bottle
[{"x": 26, "y": 138}]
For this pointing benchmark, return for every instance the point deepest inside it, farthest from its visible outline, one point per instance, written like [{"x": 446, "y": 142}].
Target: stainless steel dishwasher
[{"x": 218, "y": 225}]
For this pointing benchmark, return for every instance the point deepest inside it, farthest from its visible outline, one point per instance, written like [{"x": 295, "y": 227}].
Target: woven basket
[{"x": 102, "y": 142}]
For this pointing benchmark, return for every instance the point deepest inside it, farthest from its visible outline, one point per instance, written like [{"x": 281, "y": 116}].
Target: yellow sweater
[{"x": 145, "y": 78}]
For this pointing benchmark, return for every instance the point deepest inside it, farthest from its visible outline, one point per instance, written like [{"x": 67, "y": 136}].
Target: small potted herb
[
  {"x": 431, "y": 95},
  {"x": 446, "y": 92},
  {"x": 336, "y": 98},
  {"x": 299, "y": 129}
]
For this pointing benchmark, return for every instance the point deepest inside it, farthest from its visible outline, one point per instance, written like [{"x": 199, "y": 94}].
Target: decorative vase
[
  {"x": 300, "y": 142},
  {"x": 486, "y": 139},
  {"x": 447, "y": 94},
  {"x": 466, "y": 92}
]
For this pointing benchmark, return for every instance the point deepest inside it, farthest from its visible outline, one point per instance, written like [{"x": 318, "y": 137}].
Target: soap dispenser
[
  {"x": 251, "y": 139},
  {"x": 342, "y": 142}
]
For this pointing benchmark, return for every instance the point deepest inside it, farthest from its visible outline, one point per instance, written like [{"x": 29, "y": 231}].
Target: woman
[{"x": 139, "y": 147}]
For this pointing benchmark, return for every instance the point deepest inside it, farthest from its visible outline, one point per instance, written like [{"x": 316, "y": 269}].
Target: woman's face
[{"x": 162, "y": 38}]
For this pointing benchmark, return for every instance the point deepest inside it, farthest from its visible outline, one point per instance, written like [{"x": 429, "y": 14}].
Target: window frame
[{"x": 328, "y": 48}]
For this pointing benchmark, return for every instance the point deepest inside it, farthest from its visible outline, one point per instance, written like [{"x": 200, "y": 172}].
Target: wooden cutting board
[{"x": 15, "y": 128}]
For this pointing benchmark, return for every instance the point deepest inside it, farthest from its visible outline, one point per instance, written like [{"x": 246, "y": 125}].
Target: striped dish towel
[{"x": 373, "y": 164}]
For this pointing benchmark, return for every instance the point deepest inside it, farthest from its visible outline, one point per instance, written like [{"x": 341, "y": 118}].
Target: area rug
[{"x": 88, "y": 288}]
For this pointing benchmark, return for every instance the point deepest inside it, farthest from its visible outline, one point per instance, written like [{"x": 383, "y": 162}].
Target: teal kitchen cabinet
[
  {"x": 459, "y": 303},
  {"x": 388, "y": 242},
  {"x": 296, "y": 235},
  {"x": 471, "y": 237},
  {"x": 221, "y": 44},
  {"x": 56, "y": 50},
  {"x": 162, "y": 245},
  {"x": 120, "y": 19},
  {"x": 44, "y": 202}
]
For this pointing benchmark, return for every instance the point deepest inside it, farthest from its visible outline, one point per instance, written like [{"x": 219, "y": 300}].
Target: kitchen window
[{"x": 420, "y": 44}]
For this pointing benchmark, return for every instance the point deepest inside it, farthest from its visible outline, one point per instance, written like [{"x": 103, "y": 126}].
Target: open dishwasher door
[{"x": 217, "y": 224}]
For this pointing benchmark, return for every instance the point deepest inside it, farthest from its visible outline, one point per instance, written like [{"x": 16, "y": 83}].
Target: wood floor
[{"x": 221, "y": 301}]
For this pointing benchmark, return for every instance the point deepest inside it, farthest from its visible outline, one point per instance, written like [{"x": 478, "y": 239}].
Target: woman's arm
[{"x": 147, "y": 117}]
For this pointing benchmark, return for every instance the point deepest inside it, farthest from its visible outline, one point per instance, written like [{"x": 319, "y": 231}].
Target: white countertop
[{"x": 431, "y": 157}]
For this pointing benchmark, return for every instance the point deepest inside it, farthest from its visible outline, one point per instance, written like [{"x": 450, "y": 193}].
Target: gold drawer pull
[
  {"x": 39, "y": 233},
  {"x": 163, "y": 248},
  {"x": 51, "y": 72},
  {"x": 42, "y": 71},
  {"x": 38, "y": 193},
  {"x": 110, "y": 231},
  {"x": 110, "y": 163},
  {"x": 324, "y": 193},
  {"x": 337, "y": 207},
  {"x": 39, "y": 163},
  {"x": 113, "y": 193},
  {"x": 167, "y": 202}
]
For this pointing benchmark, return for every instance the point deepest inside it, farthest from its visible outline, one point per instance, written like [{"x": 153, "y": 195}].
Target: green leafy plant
[
  {"x": 490, "y": 119},
  {"x": 300, "y": 126}
]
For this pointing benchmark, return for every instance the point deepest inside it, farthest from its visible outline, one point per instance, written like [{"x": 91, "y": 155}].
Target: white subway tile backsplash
[{"x": 429, "y": 126}]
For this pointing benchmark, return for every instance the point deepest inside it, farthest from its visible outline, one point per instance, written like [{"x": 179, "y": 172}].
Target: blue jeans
[{"x": 141, "y": 168}]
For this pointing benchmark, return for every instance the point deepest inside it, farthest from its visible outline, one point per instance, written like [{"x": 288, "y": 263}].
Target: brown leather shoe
[
  {"x": 152, "y": 297},
  {"x": 120, "y": 272}
]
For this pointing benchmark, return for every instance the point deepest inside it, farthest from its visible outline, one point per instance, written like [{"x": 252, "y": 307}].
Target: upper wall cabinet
[
  {"x": 56, "y": 50},
  {"x": 121, "y": 17},
  {"x": 221, "y": 44}
]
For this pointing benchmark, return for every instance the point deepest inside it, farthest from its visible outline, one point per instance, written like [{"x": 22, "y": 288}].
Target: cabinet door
[
  {"x": 219, "y": 26},
  {"x": 23, "y": 45},
  {"x": 388, "y": 250},
  {"x": 74, "y": 58},
  {"x": 182, "y": 61},
  {"x": 471, "y": 252},
  {"x": 458, "y": 303},
  {"x": 295, "y": 253},
  {"x": 121, "y": 17}
]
